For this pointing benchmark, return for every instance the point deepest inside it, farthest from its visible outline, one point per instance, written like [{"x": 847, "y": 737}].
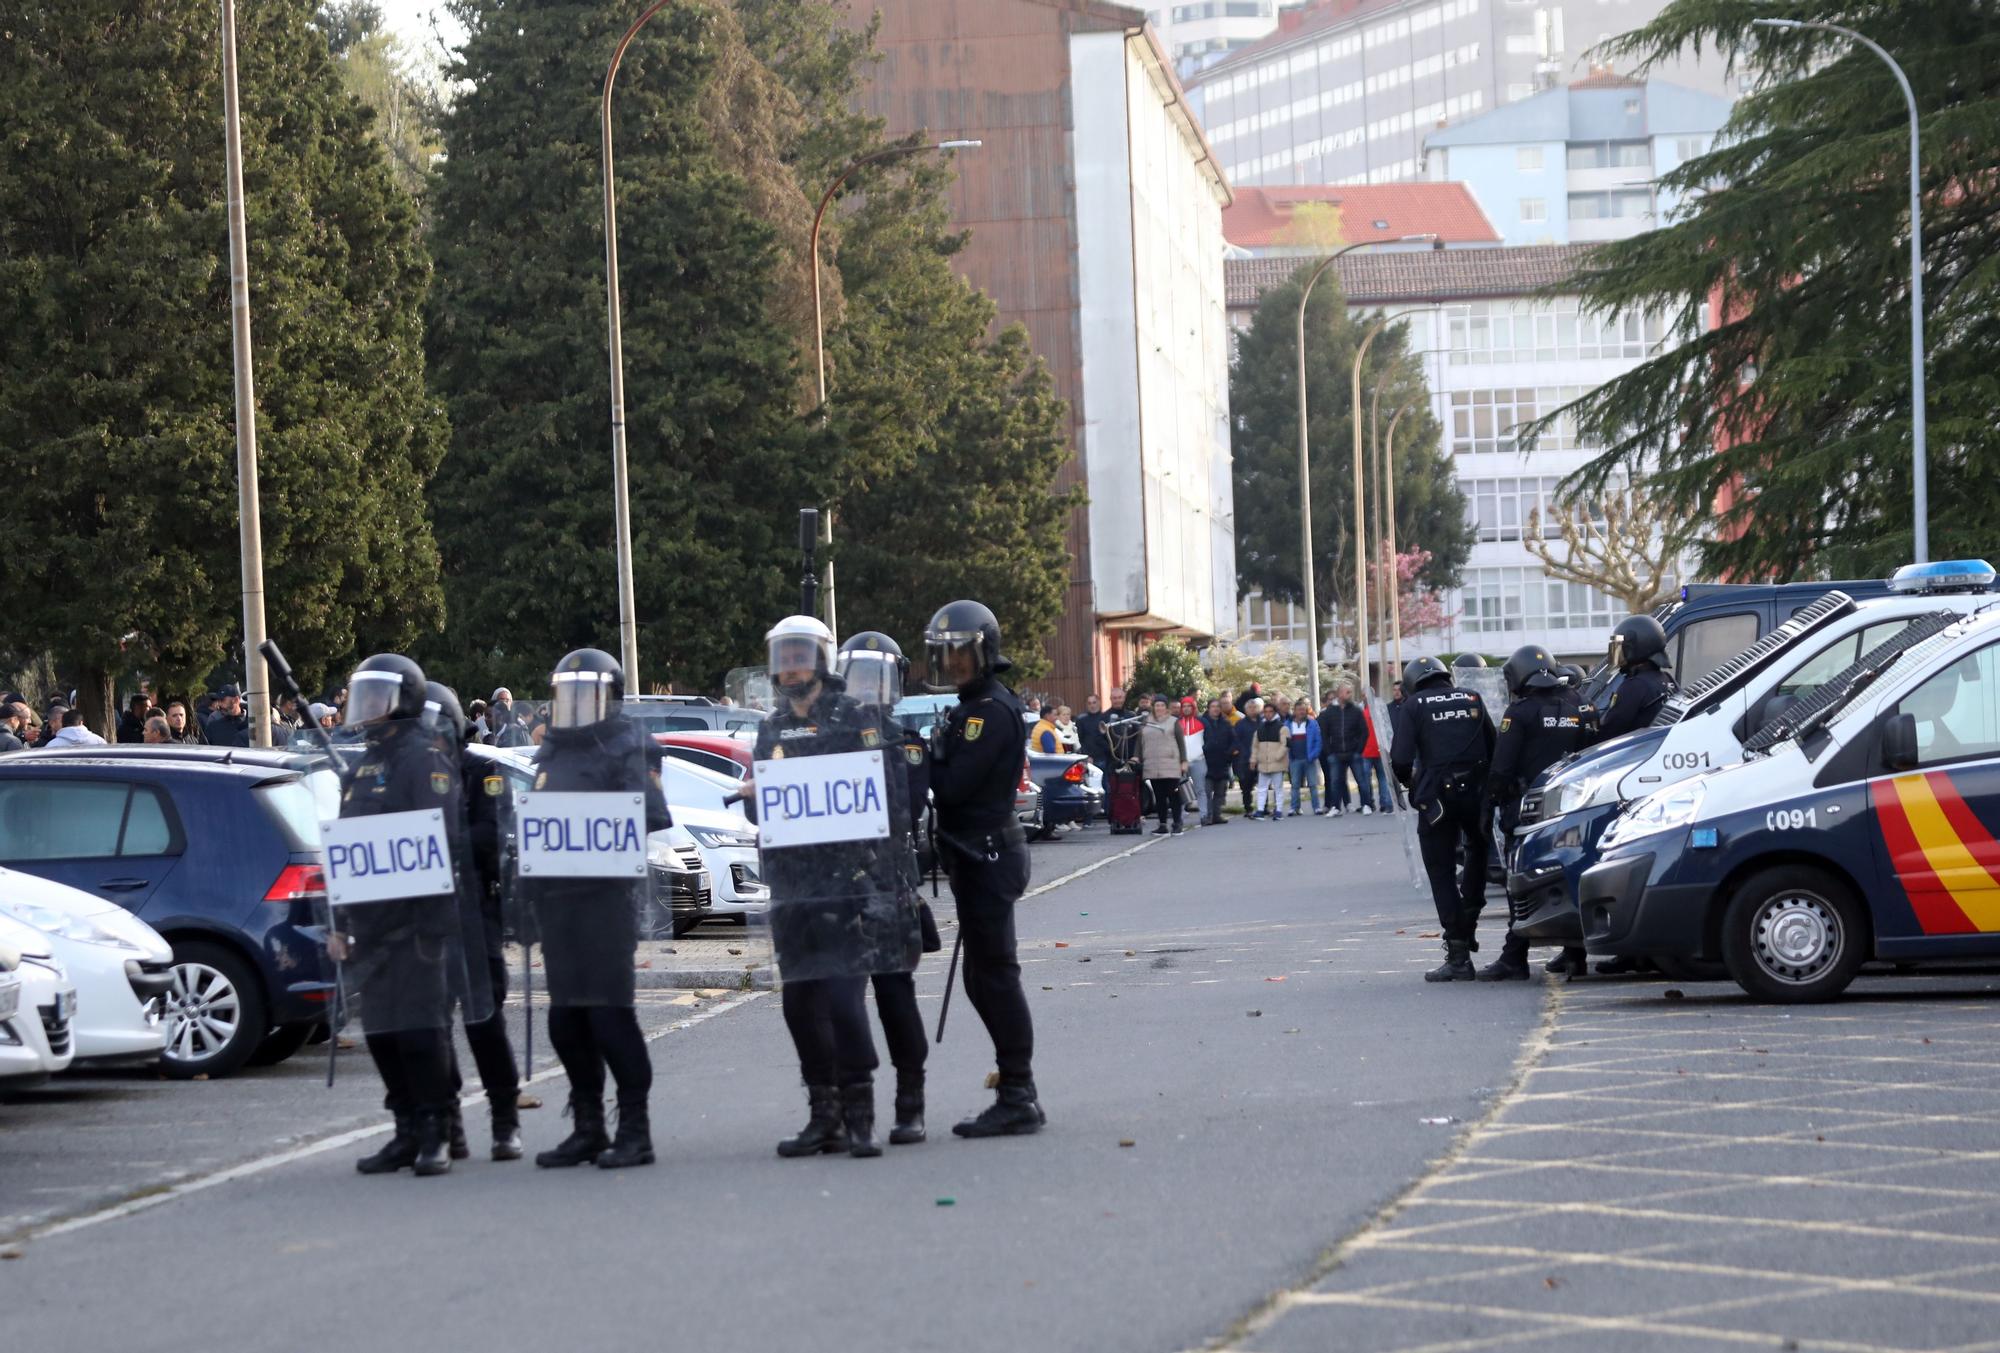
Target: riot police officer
[
  {"x": 1542, "y": 725},
  {"x": 977, "y": 752},
  {"x": 402, "y": 960},
  {"x": 1638, "y": 649},
  {"x": 1442, "y": 755},
  {"x": 842, "y": 909},
  {"x": 482, "y": 789},
  {"x": 873, "y": 668},
  {"x": 589, "y": 927}
]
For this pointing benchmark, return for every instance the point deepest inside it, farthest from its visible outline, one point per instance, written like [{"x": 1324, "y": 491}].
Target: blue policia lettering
[
  {"x": 400, "y": 855},
  {"x": 579, "y": 835},
  {"x": 832, "y": 798}
]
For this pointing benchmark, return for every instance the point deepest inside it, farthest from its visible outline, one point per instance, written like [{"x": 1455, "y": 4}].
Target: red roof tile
[
  {"x": 1262, "y": 217},
  {"x": 1418, "y": 276}
]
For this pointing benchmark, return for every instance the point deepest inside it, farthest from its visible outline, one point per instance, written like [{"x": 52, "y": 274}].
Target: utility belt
[
  {"x": 1460, "y": 784},
  {"x": 987, "y": 845}
]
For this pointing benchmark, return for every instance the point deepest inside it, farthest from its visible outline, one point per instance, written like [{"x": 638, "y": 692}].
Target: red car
[{"x": 721, "y": 752}]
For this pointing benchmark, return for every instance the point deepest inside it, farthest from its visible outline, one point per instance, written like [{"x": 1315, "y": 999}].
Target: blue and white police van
[
  {"x": 1704, "y": 728},
  {"x": 1863, "y": 826}
]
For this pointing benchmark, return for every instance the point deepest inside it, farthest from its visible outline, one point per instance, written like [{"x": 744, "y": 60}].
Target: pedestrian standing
[
  {"x": 1218, "y": 751},
  {"x": 73, "y": 733},
  {"x": 1043, "y": 735},
  {"x": 1374, "y": 781},
  {"x": 13, "y": 723},
  {"x": 155, "y": 733},
  {"x": 132, "y": 723},
  {"x": 1302, "y": 751},
  {"x": 502, "y": 728},
  {"x": 1344, "y": 735},
  {"x": 227, "y": 724},
  {"x": 589, "y": 927},
  {"x": 1271, "y": 754},
  {"x": 180, "y": 727},
  {"x": 1192, "y": 729},
  {"x": 976, "y": 763},
  {"x": 1091, "y": 738},
  {"x": 1443, "y": 754},
  {"x": 1163, "y": 760},
  {"x": 1072, "y": 741},
  {"x": 1245, "y": 759}
]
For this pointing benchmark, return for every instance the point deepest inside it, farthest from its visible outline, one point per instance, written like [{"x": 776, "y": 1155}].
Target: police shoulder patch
[
  {"x": 914, "y": 753},
  {"x": 870, "y": 738},
  {"x": 973, "y": 728},
  {"x": 541, "y": 780},
  {"x": 1505, "y": 724},
  {"x": 440, "y": 782},
  {"x": 495, "y": 786}
]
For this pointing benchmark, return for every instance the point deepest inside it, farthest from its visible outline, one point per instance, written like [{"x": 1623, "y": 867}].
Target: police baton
[{"x": 950, "y": 973}]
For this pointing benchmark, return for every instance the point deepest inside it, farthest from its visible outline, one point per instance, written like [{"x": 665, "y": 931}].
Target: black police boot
[
  {"x": 1622, "y": 967},
  {"x": 1570, "y": 962},
  {"x": 433, "y": 1142},
  {"x": 857, "y": 1110},
  {"x": 634, "y": 1143},
  {"x": 909, "y": 1129},
  {"x": 1014, "y": 1112},
  {"x": 586, "y": 1140},
  {"x": 1457, "y": 965},
  {"x": 823, "y": 1131},
  {"x": 507, "y": 1130},
  {"x": 461, "y": 1149},
  {"x": 1509, "y": 967},
  {"x": 398, "y": 1153}
]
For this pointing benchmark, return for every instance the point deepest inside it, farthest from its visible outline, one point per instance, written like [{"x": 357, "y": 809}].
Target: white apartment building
[
  {"x": 1508, "y": 356},
  {"x": 1579, "y": 163},
  {"x": 1200, "y": 33}
]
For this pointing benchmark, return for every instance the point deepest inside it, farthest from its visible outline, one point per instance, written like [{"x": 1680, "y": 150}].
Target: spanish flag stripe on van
[{"x": 1944, "y": 855}]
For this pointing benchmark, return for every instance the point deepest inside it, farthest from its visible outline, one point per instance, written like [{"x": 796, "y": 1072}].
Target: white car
[
  {"x": 117, "y": 962},
  {"x": 19, "y": 1064},
  {"x": 35, "y": 1043}
]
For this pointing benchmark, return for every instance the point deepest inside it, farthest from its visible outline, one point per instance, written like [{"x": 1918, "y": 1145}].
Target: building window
[
  {"x": 1507, "y": 600},
  {"x": 1500, "y": 509},
  {"x": 1262, "y": 620},
  {"x": 1632, "y": 154},
  {"x": 1528, "y": 159},
  {"x": 1485, "y": 421},
  {"x": 1555, "y": 331},
  {"x": 1690, "y": 148},
  {"x": 1534, "y": 209}
]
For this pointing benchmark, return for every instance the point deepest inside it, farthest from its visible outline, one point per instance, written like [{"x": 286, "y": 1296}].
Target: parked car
[
  {"x": 221, "y": 858},
  {"x": 690, "y": 714},
  {"x": 20, "y": 1064},
  {"x": 119, "y": 965},
  {"x": 40, "y": 1028},
  {"x": 724, "y": 753},
  {"x": 1072, "y": 788}
]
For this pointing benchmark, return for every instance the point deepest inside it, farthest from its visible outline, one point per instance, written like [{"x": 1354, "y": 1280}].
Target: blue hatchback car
[{"x": 218, "y": 850}]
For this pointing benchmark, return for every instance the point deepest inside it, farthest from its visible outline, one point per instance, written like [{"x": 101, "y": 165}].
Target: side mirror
[{"x": 1899, "y": 741}]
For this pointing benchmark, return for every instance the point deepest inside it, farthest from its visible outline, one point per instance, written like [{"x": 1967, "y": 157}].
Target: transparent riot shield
[
  {"x": 831, "y": 797},
  {"x": 1385, "y": 741}
]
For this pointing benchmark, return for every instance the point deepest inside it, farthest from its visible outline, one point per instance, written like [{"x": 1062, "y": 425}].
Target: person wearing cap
[{"x": 227, "y": 724}]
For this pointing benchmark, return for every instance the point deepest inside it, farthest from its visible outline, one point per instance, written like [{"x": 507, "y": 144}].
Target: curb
[{"x": 749, "y": 977}]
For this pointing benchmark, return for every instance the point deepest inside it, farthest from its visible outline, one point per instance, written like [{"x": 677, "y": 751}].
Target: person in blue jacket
[{"x": 1302, "y": 747}]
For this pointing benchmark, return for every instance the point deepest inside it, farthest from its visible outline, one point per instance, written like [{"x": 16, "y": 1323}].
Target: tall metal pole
[
  {"x": 1360, "y": 520},
  {"x": 1919, "y": 468},
  {"x": 256, "y": 680},
  {"x": 1305, "y": 467},
  {"x": 621, "y": 490},
  {"x": 1386, "y": 532},
  {"x": 819, "y": 319}
]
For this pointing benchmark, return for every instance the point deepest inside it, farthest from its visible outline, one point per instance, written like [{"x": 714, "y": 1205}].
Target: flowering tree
[{"x": 1629, "y": 547}]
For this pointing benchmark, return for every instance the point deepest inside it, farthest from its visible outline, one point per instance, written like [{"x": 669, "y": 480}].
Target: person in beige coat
[
  {"x": 1163, "y": 760},
  {"x": 1270, "y": 756}
]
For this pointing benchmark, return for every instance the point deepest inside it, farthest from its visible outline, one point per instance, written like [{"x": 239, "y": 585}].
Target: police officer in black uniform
[
  {"x": 589, "y": 928},
  {"x": 977, "y": 752},
  {"x": 874, "y": 670},
  {"x": 1442, "y": 754},
  {"x": 1542, "y": 725},
  {"x": 478, "y": 867},
  {"x": 1638, "y": 648},
  {"x": 841, "y": 911},
  {"x": 402, "y": 959}
]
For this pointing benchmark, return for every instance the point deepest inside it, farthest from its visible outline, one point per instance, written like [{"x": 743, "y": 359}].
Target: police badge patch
[
  {"x": 870, "y": 738},
  {"x": 541, "y": 779},
  {"x": 495, "y": 786},
  {"x": 440, "y": 782},
  {"x": 973, "y": 728},
  {"x": 914, "y": 754},
  {"x": 1505, "y": 724}
]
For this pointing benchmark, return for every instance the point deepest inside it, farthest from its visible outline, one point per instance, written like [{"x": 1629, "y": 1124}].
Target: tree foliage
[
  {"x": 116, "y": 410},
  {"x": 1794, "y": 410},
  {"x": 379, "y": 73},
  {"x": 1168, "y": 667},
  {"x": 1263, "y": 399}
]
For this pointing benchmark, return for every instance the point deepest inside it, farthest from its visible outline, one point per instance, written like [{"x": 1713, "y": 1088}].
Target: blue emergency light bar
[{"x": 1946, "y": 575}]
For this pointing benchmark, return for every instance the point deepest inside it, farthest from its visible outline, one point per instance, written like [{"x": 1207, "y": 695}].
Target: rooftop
[
  {"x": 1264, "y": 218},
  {"x": 1422, "y": 276},
  {"x": 1600, "y": 107},
  {"x": 1294, "y": 25}
]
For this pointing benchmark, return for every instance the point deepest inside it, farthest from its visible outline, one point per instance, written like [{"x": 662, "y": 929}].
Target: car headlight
[
  {"x": 1671, "y": 808},
  {"x": 64, "y": 926},
  {"x": 724, "y": 838},
  {"x": 1586, "y": 791}
]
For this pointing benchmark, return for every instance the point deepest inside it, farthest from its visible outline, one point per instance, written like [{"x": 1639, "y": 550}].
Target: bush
[{"x": 1168, "y": 668}]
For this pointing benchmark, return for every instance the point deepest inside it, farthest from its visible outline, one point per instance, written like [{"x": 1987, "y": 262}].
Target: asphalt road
[{"x": 1241, "y": 1004}]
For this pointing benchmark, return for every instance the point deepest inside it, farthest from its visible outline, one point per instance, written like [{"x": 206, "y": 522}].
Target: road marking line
[
  {"x": 1076, "y": 874},
  {"x": 264, "y": 1164}
]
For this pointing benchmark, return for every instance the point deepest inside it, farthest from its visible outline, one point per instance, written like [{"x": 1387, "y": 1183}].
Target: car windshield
[{"x": 1913, "y": 645}]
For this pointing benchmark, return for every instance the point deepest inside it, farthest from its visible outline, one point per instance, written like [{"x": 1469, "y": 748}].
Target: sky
[{"x": 412, "y": 21}]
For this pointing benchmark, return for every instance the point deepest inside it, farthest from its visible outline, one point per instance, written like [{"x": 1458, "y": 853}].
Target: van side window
[
  {"x": 1835, "y": 658},
  {"x": 1958, "y": 710},
  {"x": 1705, "y": 645}
]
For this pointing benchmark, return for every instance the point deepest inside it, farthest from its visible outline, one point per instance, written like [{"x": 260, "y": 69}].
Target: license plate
[
  {"x": 65, "y": 1006},
  {"x": 10, "y": 1000}
]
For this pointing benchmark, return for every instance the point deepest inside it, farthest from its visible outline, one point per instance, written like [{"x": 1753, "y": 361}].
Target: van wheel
[
  {"x": 1794, "y": 935},
  {"x": 213, "y": 1014}
]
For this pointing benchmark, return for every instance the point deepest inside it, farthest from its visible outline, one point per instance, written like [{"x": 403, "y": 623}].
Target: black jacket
[
  {"x": 1242, "y": 735},
  {"x": 977, "y": 754},
  {"x": 1444, "y": 744},
  {"x": 1342, "y": 730},
  {"x": 1090, "y": 737},
  {"x": 1635, "y": 702},
  {"x": 226, "y": 730},
  {"x": 1218, "y": 745},
  {"x": 1537, "y": 731}
]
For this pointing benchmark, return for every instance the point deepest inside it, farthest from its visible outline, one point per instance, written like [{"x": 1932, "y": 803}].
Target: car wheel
[
  {"x": 282, "y": 1042},
  {"x": 1794, "y": 935},
  {"x": 213, "y": 1014}
]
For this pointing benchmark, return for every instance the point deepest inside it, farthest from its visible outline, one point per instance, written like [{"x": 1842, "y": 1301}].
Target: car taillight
[
  {"x": 1027, "y": 781},
  {"x": 296, "y": 882},
  {"x": 1075, "y": 773}
]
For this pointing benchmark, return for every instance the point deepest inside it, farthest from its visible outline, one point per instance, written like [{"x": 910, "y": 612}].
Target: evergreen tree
[
  {"x": 711, "y": 250},
  {"x": 116, "y": 411},
  {"x": 1263, "y": 401},
  {"x": 1794, "y": 409}
]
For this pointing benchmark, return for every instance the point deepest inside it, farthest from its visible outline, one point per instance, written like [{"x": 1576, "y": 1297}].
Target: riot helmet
[
  {"x": 1468, "y": 660},
  {"x": 963, "y": 627},
  {"x": 1637, "y": 639},
  {"x": 873, "y": 667},
  {"x": 1573, "y": 676},
  {"x": 1424, "y": 670},
  {"x": 585, "y": 689},
  {"x": 441, "y": 709},
  {"x": 801, "y": 652},
  {"x": 1531, "y": 667},
  {"x": 386, "y": 686}
]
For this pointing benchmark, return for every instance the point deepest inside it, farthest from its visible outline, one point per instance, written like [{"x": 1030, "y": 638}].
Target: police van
[
  {"x": 1865, "y": 825},
  {"x": 1704, "y": 726}
]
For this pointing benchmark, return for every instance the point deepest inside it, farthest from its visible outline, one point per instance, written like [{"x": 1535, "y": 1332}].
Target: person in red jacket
[{"x": 1371, "y": 767}]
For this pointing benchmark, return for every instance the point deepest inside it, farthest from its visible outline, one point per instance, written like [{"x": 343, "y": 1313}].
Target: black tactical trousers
[
  {"x": 415, "y": 1065},
  {"x": 1515, "y": 949},
  {"x": 828, "y": 1020},
  {"x": 492, "y": 1052},
  {"x": 588, "y": 1038},
  {"x": 1442, "y": 824},
  {"x": 902, "y": 1026},
  {"x": 986, "y": 891}
]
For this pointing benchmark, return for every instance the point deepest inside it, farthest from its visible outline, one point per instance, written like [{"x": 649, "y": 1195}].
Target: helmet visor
[
  {"x": 941, "y": 649},
  {"x": 797, "y": 654},
  {"x": 578, "y": 699},
  {"x": 1614, "y": 654},
  {"x": 872, "y": 678},
  {"x": 372, "y": 697}
]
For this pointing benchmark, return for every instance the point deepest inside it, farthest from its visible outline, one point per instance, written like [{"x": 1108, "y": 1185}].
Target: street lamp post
[
  {"x": 1386, "y": 526},
  {"x": 819, "y": 322},
  {"x": 1360, "y": 520},
  {"x": 1920, "y": 470},
  {"x": 1305, "y": 461}
]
